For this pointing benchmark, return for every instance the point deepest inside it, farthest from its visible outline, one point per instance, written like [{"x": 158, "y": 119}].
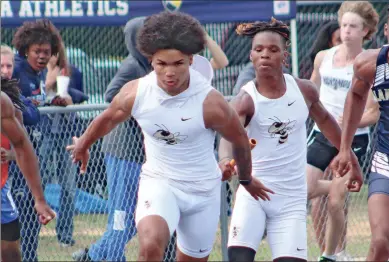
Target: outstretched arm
[
  {"x": 331, "y": 130},
  {"x": 244, "y": 107},
  {"x": 118, "y": 111},
  {"x": 324, "y": 120},
  {"x": 364, "y": 71},
  {"x": 219, "y": 59},
  {"x": 26, "y": 159},
  {"x": 25, "y": 155},
  {"x": 372, "y": 113},
  {"x": 219, "y": 116},
  {"x": 364, "y": 68}
]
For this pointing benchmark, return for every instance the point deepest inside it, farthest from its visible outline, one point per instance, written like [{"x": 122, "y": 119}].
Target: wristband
[
  {"x": 227, "y": 157},
  {"x": 245, "y": 182}
]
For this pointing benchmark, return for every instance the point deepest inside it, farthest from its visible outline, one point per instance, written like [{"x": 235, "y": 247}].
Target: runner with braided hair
[
  {"x": 10, "y": 88},
  {"x": 274, "y": 108},
  {"x": 13, "y": 133},
  {"x": 251, "y": 29}
]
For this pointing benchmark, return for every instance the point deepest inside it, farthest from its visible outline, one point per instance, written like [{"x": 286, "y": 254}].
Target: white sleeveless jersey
[
  {"x": 177, "y": 144},
  {"x": 278, "y": 125},
  {"x": 335, "y": 83}
]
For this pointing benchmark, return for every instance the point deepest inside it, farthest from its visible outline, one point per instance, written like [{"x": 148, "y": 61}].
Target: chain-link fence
[
  {"x": 98, "y": 50},
  {"x": 84, "y": 201},
  {"x": 90, "y": 215},
  {"x": 94, "y": 210}
]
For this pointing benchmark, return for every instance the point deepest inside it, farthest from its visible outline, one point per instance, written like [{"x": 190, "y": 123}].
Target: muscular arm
[
  {"x": 364, "y": 68},
  {"x": 371, "y": 114},
  {"x": 326, "y": 123},
  {"x": 118, "y": 111},
  {"x": 219, "y": 116},
  {"x": 25, "y": 156}
]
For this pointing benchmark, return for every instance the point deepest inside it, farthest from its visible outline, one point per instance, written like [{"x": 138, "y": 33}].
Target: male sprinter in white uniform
[
  {"x": 371, "y": 72},
  {"x": 332, "y": 73},
  {"x": 179, "y": 112},
  {"x": 274, "y": 108}
]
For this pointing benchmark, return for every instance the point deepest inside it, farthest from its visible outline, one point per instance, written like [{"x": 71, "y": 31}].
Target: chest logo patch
[{"x": 163, "y": 134}]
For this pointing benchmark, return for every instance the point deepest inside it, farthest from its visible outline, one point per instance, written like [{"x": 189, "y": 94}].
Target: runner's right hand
[
  {"x": 45, "y": 213},
  {"x": 227, "y": 170},
  {"x": 258, "y": 190},
  {"x": 79, "y": 154}
]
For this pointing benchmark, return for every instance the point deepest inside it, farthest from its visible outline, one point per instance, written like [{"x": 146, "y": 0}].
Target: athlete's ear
[
  {"x": 251, "y": 57},
  {"x": 365, "y": 31},
  {"x": 190, "y": 59},
  {"x": 285, "y": 60},
  {"x": 286, "y": 54}
]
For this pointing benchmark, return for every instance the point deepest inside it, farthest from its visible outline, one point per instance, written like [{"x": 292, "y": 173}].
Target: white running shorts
[
  {"x": 195, "y": 217},
  {"x": 283, "y": 216}
]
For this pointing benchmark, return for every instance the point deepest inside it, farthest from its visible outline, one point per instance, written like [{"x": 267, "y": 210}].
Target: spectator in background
[
  {"x": 245, "y": 75},
  {"x": 57, "y": 133},
  {"x": 31, "y": 116},
  {"x": 36, "y": 42},
  {"x": 327, "y": 37},
  {"x": 219, "y": 59}
]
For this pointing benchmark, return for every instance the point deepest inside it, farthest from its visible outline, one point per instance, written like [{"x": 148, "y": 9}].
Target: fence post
[{"x": 224, "y": 221}]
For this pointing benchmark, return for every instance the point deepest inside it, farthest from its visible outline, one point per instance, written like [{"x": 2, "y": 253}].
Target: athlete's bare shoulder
[
  {"x": 213, "y": 99},
  {"x": 7, "y": 108},
  {"x": 309, "y": 91},
  {"x": 130, "y": 87},
  {"x": 126, "y": 96},
  {"x": 215, "y": 109},
  {"x": 243, "y": 104},
  {"x": 319, "y": 58},
  {"x": 365, "y": 65}
]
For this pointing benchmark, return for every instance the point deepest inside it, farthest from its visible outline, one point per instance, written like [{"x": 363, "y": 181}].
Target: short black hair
[
  {"x": 276, "y": 26},
  {"x": 171, "y": 30},
  {"x": 11, "y": 89},
  {"x": 41, "y": 31}
]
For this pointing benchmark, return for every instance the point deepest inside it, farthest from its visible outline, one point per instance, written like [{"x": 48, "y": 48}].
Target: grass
[{"x": 89, "y": 228}]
